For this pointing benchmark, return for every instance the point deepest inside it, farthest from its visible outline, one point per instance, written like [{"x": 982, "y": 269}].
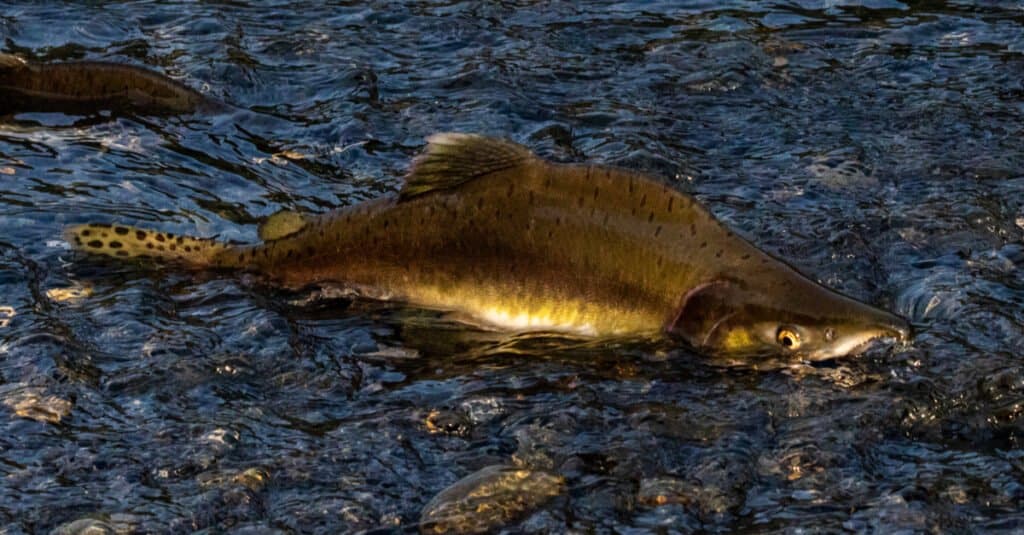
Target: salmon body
[
  {"x": 485, "y": 229},
  {"x": 85, "y": 87}
]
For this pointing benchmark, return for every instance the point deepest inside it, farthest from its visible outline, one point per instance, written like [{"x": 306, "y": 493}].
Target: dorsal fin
[
  {"x": 451, "y": 159},
  {"x": 282, "y": 224},
  {"x": 10, "y": 61}
]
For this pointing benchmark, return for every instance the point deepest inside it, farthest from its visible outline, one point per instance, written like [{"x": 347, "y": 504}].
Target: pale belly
[{"x": 506, "y": 310}]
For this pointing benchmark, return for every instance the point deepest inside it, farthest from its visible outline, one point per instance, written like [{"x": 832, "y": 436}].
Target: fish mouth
[{"x": 897, "y": 330}]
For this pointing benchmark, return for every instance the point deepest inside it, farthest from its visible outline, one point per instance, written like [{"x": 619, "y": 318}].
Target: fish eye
[{"x": 788, "y": 338}]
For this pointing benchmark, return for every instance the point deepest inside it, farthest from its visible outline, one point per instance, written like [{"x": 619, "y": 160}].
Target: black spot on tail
[
  {"x": 116, "y": 245},
  {"x": 160, "y": 237},
  {"x": 95, "y": 244},
  {"x": 140, "y": 235},
  {"x": 86, "y": 233},
  {"x": 121, "y": 230}
]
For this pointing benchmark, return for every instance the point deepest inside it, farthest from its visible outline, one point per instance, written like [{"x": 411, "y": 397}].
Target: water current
[{"x": 874, "y": 144}]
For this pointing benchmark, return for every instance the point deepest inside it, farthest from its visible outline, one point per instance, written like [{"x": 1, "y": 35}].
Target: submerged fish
[
  {"x": 85, "y": 87},
  {"x": 486, "y": 229}
]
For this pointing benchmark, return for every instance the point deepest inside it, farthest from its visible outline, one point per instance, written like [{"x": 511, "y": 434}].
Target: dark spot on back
[
  {"x": 149, "y": 246},
  {"x": 188, "y": 249},
  {"x": 121, "y": 230},
  {"x": 657, "y": 231},
  {"x": 159, "y": 247},
  {"x": 159, "y": 237},
  {"x": 650, "y": 217},
  {"x": 745, "y": 257},
  {"x": 86, "y": 233},
  {"x": 718, "y": 254},
  {"x": 180, "y": 240},
  {"x": 643, "y": 200},
  {"x": 116, "y": 245},
  {"x": 140, "y": 235},
  {"x": 96, "y": 244},
  {"x": 703, "y": 244},
  {"x": 670, "y": 201},
  {"x": 173, "y": 247}
]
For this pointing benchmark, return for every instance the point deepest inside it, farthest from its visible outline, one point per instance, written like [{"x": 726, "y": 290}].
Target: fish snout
[
  {"x": 901, "y": 330},
  {"x": 895, "y": 327}
]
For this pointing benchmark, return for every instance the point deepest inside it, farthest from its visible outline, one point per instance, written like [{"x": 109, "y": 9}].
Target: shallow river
[{"x": 876, "y": 145}]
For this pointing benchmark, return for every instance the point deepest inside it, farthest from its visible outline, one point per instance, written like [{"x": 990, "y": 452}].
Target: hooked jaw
[{"x": 856, "y": 340}]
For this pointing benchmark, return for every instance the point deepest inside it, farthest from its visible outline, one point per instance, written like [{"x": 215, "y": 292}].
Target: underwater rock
[
  {"x": 84, "y": 526},
  {"x": 488, "y": 499},
  {"x": 34, "y": 404}
]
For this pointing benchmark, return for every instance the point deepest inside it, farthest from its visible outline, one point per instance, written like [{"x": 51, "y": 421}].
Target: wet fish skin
[
  {"x": 485, "y": 229},
  {"x": 86, "y": 87}
]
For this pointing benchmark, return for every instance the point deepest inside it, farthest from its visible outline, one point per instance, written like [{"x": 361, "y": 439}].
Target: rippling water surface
[{"x": 876, "y": 144}]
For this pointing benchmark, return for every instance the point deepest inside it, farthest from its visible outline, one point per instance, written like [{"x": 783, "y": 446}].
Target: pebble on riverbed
[
  {"x": 488, "y": 499},
  {"x": 84, "y": 526},
  {"x": 254, "y": 479},
  {"x": 32, "y": 403}
]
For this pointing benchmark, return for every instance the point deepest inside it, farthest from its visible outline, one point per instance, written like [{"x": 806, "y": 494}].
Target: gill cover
[{"x": 706, "y": 314}]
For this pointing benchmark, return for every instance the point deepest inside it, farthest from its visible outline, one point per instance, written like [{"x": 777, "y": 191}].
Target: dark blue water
[{"x": 877, "y": 145}]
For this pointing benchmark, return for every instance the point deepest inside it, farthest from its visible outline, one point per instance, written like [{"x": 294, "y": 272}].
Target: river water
[{"x": 875, "y": 144}]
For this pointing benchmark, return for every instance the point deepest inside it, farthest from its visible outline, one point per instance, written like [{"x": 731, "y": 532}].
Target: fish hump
[
  {"x": 281, "y": 225},
  {"x": 10, "y": 61},
  {"x": 452, "y": 159}
]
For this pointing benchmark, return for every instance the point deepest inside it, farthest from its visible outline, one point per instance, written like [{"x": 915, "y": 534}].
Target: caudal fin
[{"x": 129, "y": 242}]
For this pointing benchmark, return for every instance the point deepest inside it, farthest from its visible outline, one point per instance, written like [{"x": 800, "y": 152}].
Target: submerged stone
[
  {"x": 84, "y": 526},
  {"x": 34, "y": 404},
  {"x": 488, "y": 499}
]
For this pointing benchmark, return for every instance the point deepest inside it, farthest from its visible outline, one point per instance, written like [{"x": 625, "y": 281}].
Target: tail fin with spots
[{"x": 130, "y": 242}]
